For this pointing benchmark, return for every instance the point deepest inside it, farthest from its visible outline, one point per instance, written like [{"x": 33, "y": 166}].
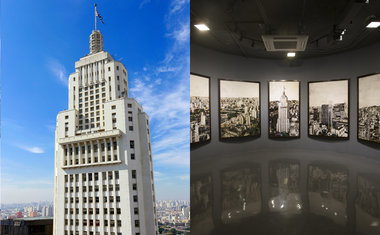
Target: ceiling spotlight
[
  {"x": 291, "y": 54},
  {"x": 373, "y": 24},
  {"x": 202, "y": 27}
]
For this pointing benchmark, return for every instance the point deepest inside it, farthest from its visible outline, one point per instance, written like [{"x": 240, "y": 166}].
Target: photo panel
[
  {"x": 284, "y": 183},
  {"x": 369, "y": 108},
  {"x": 367, "y": 204},
  {"x": 327, "y": 191},
  {"x": 328, "y": 109},
  {"x": 284, "y": 109},
  {"x": 241, "y": 193},
  {"x": 239, "y": 109},
  {"x": 200, "y": 120}
]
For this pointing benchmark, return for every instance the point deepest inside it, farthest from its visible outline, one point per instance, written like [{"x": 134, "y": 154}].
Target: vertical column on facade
[
  {"x": 118, "y": 149},
  {"x": 86, "y": 152},
  {"x": 92, "y": 151},
  {"x": 80, "y": 153},
  {"x": 99, "y": 151},
  {"x": 72, "y": 160},
  {"x": 105, "y": 150},
  {"x": 112, "y": 152}
]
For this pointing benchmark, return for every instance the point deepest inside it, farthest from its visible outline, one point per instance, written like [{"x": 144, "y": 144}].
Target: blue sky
[{"x": 40, "y": 42}]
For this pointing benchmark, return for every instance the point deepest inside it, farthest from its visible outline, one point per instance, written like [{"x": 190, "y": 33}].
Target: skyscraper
[
  {"x": 283, "y": 120},
  {"x": 327, "y": 115},
  {"x": 103, "y": 162}
]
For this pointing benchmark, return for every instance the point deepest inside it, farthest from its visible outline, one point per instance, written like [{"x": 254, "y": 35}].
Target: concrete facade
[{"x": 103, "y": 161}]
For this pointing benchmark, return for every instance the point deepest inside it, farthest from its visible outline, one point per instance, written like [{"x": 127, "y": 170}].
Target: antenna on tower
[
  {"x": 98, "y": 15},
  {"x": 95, "y": 16}
]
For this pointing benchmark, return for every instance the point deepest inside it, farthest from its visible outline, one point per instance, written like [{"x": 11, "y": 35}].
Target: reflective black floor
[{"x": 268, "y": 194}]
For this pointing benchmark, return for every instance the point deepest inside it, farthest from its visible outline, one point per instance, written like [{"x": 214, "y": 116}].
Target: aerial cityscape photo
[
  {"x": 200, "y": 129},
  {"x": 328, "y": 109},
  {"x": 239, "y": 109},
  {"x": 369, "y": 108}
]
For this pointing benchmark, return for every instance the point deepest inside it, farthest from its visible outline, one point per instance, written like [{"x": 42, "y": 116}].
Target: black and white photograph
[
  {"x": 201, "y": 204},
  {"x": 200, "y": 129},
  {"x": 329, "y": 108},
  {"x": 367, "y": 204},
  {"x": 241, "y": 193},
  {"x": 285, "y": 195},
  {"x": 284, "y": 109},
  {"x": 327, "y": 190},
  {"x": 239, "y": 109},
  {"x": 369, "y": 108}
]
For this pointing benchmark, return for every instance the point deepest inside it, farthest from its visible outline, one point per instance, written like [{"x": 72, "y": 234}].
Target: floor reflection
[
  {"x": 367, "y": 204},
  {"x": 327, "y": 191},
  {"x": 284, "y": 186},
  {"x": 241, "y": 193},
  {"x": 287, "y": 197}
]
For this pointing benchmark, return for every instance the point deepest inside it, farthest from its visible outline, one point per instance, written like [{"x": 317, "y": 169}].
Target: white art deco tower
[
  {"x": 103, "y": 162},
  {"x": 283, "y": 120}
]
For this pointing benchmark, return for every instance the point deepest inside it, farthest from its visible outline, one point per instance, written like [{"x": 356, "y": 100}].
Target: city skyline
[
  {"x": 369, "y": 94},
  {"x": 156, "y": 73},
  {"x": 328, "y": 92}
]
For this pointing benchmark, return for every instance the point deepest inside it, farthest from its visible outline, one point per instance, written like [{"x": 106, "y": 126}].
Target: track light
[
  {"x": 373, "y": 24},
  {"x": 202, "y": 27},
  {"x": 291, "y": 54}
]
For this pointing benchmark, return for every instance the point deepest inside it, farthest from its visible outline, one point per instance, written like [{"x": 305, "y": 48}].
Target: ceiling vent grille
[{"x": 285, "y": 43}]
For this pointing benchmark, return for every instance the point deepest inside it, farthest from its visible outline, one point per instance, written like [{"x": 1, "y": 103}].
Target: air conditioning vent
[{"x": 285, "y": 43}]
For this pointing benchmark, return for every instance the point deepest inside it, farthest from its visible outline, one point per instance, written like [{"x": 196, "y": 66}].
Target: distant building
[
  {"x": 283, "y": 110},
  {"x": 32, "y": 214},
  {"x": 19, "y": 214},
  {"x": 327, "y": 115},
  {"x": 27, "y": 226}
]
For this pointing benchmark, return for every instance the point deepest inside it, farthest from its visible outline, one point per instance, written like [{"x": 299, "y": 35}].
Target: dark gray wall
[{"x": 357, "y": 157}]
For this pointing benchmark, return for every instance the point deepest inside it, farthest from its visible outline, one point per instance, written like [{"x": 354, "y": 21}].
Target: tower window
[{"x": 133, "y": 174}]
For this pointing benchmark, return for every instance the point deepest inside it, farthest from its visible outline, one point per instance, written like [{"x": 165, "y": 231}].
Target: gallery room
[{"x": 285, "y": 117}]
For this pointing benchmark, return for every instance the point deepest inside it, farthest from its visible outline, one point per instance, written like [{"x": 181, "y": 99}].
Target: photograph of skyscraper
[
  {"x": 241, "y": 193},
  {"x": 284, "y": 109},
  {"x": 200, "y": 130},
  {"x": 285, "y": 194},
  {"x": 327, "y": 189},
  {"x": 369, "y": 108},
  {"x": 239, "y": 109},
  {"x": 329, "y": 108}
]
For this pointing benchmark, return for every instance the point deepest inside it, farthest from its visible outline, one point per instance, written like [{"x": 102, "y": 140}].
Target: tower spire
[{"x": 95, "y": 16}]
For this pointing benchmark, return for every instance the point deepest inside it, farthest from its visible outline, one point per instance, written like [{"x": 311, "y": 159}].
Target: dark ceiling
[{"x": 236, "y": 26}]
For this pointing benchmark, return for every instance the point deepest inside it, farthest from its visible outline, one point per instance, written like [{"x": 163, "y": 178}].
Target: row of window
[
  {"x": 91, "y": 233},
  {"x": 91, "y": 211},
  {"x": 96, "y": 223},
  {"x": 90, "y": 176},
  {"x": 96, "y": 188},
  {"x": 94, "y": 147}
]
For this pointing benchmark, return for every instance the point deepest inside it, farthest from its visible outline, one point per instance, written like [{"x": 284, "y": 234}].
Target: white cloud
[
  {"x": 177, "y": 6},
  {"x": 58, "y": 70},
  {"x": 34, "y": 149},
  {"x": 181, "y": 34},
  {"x": 166, "y": 69},
  {"x": 143, "y": 3}
]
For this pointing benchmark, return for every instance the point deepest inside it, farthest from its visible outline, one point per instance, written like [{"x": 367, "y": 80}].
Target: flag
[{"x": 98, "y": 15}]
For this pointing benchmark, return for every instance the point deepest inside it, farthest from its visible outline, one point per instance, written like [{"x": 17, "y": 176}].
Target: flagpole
[{"x": 95, "y": 16}]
